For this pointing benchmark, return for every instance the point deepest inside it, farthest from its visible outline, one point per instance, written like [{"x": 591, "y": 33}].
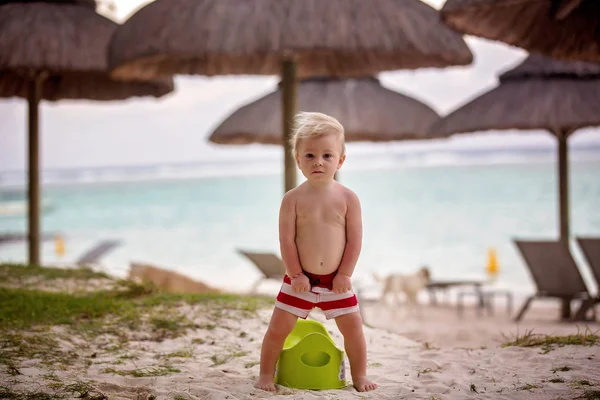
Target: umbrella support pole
[
  {"x": 33, "y": 99},
  {"x": 563, "y": 183},
  {"x": 289, "y": 88},
  {"x": 563, "y": 211}
]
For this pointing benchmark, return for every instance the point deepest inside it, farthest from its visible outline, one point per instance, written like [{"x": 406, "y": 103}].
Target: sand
[{"x": 434, "y": 356}]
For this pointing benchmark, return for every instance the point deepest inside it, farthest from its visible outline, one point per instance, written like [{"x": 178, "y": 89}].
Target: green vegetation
[
  {"x": 548, "y": 342},
  {"x": 60, "y": 329},
  {"x": 591, "y": 395},
  {"x": 22, "y": 273}
]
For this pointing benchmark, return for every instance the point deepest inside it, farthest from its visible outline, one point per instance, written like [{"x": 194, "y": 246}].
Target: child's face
[{"x": 320, "y": 157}]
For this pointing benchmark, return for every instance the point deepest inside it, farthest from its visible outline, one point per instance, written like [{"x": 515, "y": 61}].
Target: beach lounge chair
[
  {"x": 591, "y": 251},
  {"x": 554, "y": 273},
  {"x": 93, "y": 255},
  {"x": 269, "y": 264}
]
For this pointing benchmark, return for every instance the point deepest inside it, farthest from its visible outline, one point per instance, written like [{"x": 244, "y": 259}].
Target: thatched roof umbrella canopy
[
  {"x": 566, "y": 29},
  {"x": 58, "y": 50},
  {"x": 66, "y": 43},
  {"x": 325, "y": 38},
  {"x": 368, "y": 111},
  {"x": 541, "y": 93}
]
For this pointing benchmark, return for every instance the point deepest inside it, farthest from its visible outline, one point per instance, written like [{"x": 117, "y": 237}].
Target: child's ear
[{"x": 341, "y": 162}]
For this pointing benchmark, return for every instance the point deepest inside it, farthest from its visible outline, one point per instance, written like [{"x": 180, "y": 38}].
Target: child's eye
[
  {"x": 327, "y": 156},
  {"x": 309, "y": 155}
]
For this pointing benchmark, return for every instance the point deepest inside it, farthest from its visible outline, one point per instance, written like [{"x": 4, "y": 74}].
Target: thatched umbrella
[
  {"x": 540, "y": 93},
  {"x": 368, "y": 111},
  {"x": 269, "y": 37},
  {"x": 57, "y": 50},
  {"x": 568, "y": 29}
]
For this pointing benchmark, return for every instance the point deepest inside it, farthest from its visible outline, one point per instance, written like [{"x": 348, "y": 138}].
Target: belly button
[{"x": 321, "y": 263}]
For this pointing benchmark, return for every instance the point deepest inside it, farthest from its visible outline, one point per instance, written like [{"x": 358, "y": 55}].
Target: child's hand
[
  {"x": 301, "y": 284},
  {"x": 341, "y": 283}
]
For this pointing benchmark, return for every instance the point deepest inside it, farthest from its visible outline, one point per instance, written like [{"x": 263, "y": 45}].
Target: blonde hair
[{"x": 315, "y": 124}]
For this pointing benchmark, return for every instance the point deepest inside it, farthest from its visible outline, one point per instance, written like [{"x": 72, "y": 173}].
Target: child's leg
[
  {"x": 282, "y": 323},
  {"x": 350, "y": 326}
]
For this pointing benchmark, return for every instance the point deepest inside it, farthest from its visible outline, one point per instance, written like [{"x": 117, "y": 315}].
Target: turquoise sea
[{"x": 444, "y": 216}]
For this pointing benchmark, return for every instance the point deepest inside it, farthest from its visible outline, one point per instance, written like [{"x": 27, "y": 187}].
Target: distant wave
[{"x": 272, "y": 165}]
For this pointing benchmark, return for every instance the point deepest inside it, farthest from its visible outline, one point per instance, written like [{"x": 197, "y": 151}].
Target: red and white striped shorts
[{"x": 320, "y": 295}]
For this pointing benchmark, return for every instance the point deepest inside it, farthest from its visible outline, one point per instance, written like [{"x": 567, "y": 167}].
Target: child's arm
[
  {"x": 287, "y": 235},
  {"x": 353, "y": 235}
]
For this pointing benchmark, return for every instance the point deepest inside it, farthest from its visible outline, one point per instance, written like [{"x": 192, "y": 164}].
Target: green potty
[{"x": 310, "y": 359}]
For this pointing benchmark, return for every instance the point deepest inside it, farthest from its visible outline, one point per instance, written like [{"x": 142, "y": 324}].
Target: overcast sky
[{"x": 175, "y": 128}]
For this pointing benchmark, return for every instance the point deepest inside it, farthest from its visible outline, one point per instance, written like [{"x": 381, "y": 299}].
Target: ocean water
[{"x": 443, "y": 216}]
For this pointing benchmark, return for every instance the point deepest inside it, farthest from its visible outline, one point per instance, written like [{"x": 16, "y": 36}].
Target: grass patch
[
  {"x": 220, "y": 359},
  {"x": 128, "y": 357},
  {"x": 143, "y": 372},
  {"x": 428, "y": 371},
  {"x": 84, "y": 391},
  {"x": 81, "y": 389},
  {"x": 173, "y": 325},
  {"x": 20, "y": 273},
  {"x": 548, "y": 342},
  {"x": 581, "y": 382},
  {"x": 180, "y": 354},
  {"x": 51, "y": 377},
  {"x": 23, "y": 308},
  {"x": 561, "y": 369},
  {"x": 8, "y": 394},
  {"x": 556, "y": 380},
  {"x": 42, "y": 345},
  {"x": 529, "y": 387},
  {"x": 590, "y": 395}
]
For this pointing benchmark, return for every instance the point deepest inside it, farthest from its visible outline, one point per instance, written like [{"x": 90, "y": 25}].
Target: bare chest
[{"x": 328, "y": 211}]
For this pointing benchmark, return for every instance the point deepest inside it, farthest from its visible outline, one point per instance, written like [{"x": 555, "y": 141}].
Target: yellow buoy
[
  {"x": 492, "y": 263},
  {"x": 59, "y": 246}
]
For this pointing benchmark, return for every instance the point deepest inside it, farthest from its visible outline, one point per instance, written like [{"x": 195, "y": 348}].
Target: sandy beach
[
  {"x": 215, "y": 356},
  {"x": 442, "y": 326}
]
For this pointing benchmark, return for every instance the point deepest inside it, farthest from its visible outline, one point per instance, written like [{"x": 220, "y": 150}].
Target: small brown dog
[{"x": 408, "y": 284}]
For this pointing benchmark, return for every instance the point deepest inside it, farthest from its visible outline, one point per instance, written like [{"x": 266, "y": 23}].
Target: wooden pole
[
  {"x": 289, "y": 95},
  {"x": 33, "y": 99},
  {"x": 563, "y": 201},
  {"x": 563, "y": 185}
]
